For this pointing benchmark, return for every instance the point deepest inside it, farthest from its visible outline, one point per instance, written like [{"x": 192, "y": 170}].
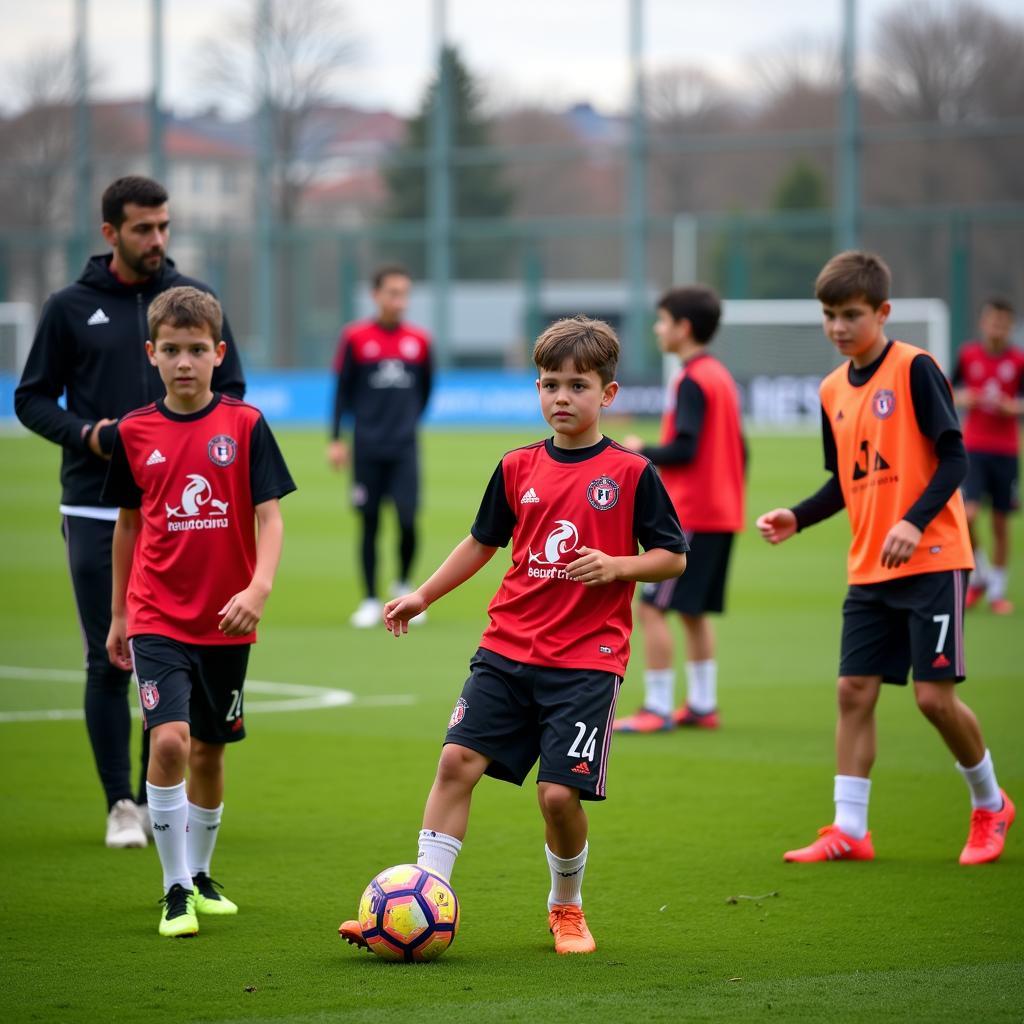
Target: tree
[{"x": 478, "y": 189}]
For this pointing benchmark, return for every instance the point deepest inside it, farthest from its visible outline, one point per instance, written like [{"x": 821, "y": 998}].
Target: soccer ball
[{"x": 409, "y": 913}]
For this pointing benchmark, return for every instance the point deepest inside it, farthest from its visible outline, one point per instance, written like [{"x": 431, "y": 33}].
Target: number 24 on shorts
[{"x": 589, "y": 748}]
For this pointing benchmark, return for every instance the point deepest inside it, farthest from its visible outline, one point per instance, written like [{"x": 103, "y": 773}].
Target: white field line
[{"x": 297, "y": 696}]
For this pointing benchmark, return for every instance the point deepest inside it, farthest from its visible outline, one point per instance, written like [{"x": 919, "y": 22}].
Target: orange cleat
[
  {"x": 987, "y": 837},
  {"x": 687, "y": 718},
  {"x": 352, "y": 933},
  {"x": 569, "y": 927},
  {"x": 974, "y": 595},
  {"x": 644, "y": 720},
  {"x": 1000, "y": 606},
  {"x": 832, "y": 844}
]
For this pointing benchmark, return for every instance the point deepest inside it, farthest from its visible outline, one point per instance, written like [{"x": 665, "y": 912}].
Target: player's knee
[
  {"x": 169, "y": 746},
  {"x": 937, "y": 703},
  {"x": 459, "y": 766},
  {"x": 557, "y": 801},
  {"x": 856, "y": 693}
]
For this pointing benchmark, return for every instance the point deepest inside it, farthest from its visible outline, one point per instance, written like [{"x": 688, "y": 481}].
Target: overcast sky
[{"x": 553, "y": 51}]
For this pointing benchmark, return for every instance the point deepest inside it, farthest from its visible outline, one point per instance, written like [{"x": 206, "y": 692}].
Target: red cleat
[
  {"x": 974, "y": 595},
  {"x": 644, "y": 720},
  {"x": 987, "y": 837},
  {"x": 832, "y": 844},
  {"x": 686, "y": 717},
  {"x": 569, "y": 927},
  {"x": 1000, "y": 606},
  {"x": 352, "y": 933}
]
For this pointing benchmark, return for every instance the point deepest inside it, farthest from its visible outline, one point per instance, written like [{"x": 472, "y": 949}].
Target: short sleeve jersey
[
  {"x": 196, "y": 479},
  {"x": 991, "y": 376},
  {"x": 550, "y": 502}
]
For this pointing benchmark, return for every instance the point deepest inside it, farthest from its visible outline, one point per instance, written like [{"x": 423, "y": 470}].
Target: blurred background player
[
  {"x": 90, "y": 347},
  {"x": 197, "y": 477},
  {"x": 384, "y": 373},
  {"x": 702, "y": 458},
  {"x": 989, "y": 384},
  {"x": 893, "y": 446}
]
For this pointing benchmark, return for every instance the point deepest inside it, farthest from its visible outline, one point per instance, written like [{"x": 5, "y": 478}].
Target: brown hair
[
  {"x": 853, "y": 275},
  {"x": 998, "y": 302},
  {"x": 696, "y": 303},
  {"x": 590, "y": 344},
  {"x": 185, "y": 307},
  {"x": 382, "y": 273}
]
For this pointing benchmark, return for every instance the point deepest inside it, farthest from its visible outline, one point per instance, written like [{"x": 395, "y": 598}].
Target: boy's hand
[
  {"x": 399, "y": 611},
  {"x": 634, "y": 442},
  {"x": 593, "y": 567},
  {"x": 94, "y": 437},
  {"x": 242, "y": 612},
  {"x": 777, "y": 525},
  {"x": 900, "y": 544},
  {"x": 117, "y": 643},
  {"x": 337, "y": 455}
]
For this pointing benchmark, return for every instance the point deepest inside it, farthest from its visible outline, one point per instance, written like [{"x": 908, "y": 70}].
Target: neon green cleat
[
  {"x": 208, "y": 899},
  {"x": 178, "y": 920}
]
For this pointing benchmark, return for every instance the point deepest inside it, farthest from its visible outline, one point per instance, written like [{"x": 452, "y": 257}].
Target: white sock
[
  {"x": 996, "y": 582},
  {"x": 660, "y": 690},
  {"x": 981, "y": 780},
  {"x": 566, "y": 877},
  {"x": 203, "y": 829},
  {"x": 437, "y": 852},
  {"x": 979, "y": 575},
  {"x": 851, "y": 796},
  {"x": 702, "y": 685},
  {"x": 168, "y": 810}
]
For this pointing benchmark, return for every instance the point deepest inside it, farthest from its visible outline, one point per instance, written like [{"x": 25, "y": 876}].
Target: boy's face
[
  {"x": 571, "y": 400},
  {"x": 854, "y": 326},
  {"x": 186, "y": 358},
  {"x": 392, "y": 298},
  {"x": 996, "y": 325},
  {"x": 670, "y": 333}
]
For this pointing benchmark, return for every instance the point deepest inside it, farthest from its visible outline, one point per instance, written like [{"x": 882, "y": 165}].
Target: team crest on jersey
[
  {"x": 458, "y": 713},
  {"x": 409, "y": 347},
  {"x": 149, "y": 694},
  {"x": 883, "y": 403},
  {"x": 222, "y": 450},
  {"x": 603, "y": 493}
]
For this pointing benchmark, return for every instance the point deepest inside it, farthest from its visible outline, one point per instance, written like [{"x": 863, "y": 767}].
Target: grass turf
[{"x": 318, "y": 801}]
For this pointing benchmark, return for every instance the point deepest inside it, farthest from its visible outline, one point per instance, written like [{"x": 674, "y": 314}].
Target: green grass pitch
[{"x": 319, "y": 800}]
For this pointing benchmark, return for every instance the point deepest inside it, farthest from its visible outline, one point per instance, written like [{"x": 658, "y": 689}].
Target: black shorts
[
  {"x": 514, "y": 713},
  {"x": 376, "y": 477},
  {"x": 915, "y": 622},
  {"x": 701, "y": 589},
  {"x": 995, "y": 476},
  {"x": 200, "y": 684}
]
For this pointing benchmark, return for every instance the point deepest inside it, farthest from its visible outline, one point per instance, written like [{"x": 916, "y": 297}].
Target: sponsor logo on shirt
[
  {"x": 222, "y": 450},
  {"x": 559, "y": 550},
  {"x": 603, "y": 493},
  {"x": 529, "y": 498},
  {"x": 199, "y": 509},
  {"x": 155, "y": 457},
  {"x": 391, "y": 373},
  {"x": 99, "y": 317}
]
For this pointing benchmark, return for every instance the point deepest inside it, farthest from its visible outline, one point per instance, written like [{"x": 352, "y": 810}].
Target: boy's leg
[
  {"x": 655, "y": 714},
  {"x": 405, "y": 490},
  {"x": 998, "y": 572},
  {"x": 701, "y": 669},
  {"x": 367, "y": 492},
  {"x": 975, "y": 487}
]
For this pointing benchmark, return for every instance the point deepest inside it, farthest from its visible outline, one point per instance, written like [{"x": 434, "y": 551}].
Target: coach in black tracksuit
[{"x": 90, "y": 346}]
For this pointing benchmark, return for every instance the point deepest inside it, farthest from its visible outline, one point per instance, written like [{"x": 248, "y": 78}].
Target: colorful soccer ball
[{"x": 409, "y": 913}]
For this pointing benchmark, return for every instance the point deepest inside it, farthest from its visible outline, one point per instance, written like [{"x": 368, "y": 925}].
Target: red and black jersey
[
  {"x": 196, "y": 479},
  {"x": 384, "y": 381},
  {"x": 991, "y": 377},
  {"x": 550, "y": 502}
]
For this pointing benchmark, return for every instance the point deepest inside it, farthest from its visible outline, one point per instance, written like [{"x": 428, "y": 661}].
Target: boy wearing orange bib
[{"x": 893, "y": 445}]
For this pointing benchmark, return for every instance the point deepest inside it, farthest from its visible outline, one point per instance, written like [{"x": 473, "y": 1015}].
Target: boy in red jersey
[
  {"x": 989, "y": 386},
  {"x": 893, "y": 446},
  {"x": 193, "y": 474},
  {"x": 547, "y": 674},
  {"x": 702, "y": 458}
]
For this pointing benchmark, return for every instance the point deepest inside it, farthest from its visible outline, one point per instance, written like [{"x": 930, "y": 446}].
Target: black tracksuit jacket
[{"x": 90, "y": 344}]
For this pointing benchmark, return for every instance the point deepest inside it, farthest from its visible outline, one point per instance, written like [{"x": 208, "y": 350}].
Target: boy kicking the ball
[
  {"x": 893, "y": 446},
  {"x": 197, "y": 477},
  {"x": 544, "y": 681}
]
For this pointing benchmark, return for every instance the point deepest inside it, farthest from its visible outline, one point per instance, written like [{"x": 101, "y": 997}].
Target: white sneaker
[
  {"x": 368, "y": 614},
  {"x": 123, "y": 828},
  {"x": 400, "y": 589},
  {"x": 145, "y": 821}
]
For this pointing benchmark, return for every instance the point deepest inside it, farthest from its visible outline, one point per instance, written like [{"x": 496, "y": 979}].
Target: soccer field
[{"x": 695, "y": 915}]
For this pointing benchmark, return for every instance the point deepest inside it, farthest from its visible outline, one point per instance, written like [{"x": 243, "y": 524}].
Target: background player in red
[
  {"x": 545, "y": 679},
  {"x": 893, "y": 446},
  {"x": 989, "y": 385},
  {"x": 702, "y": 458},
  {"x": 193, "y": 474},
  {"x": 384, "y": 373}
]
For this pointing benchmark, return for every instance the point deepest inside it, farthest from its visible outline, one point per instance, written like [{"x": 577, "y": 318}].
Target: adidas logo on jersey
[
  {"x": 155, "y": 458},
  {"x": 529, "y": 498},
  {"x": 99, "y": 317}
]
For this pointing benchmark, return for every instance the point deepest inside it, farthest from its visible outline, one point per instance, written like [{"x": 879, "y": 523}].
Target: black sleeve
[
  {"x": 49, "y": 368},
  {"x": 268, "y": 475},
  {"x": 343, "y": 390},
  {"x": 932, "y": 399},
  {"x": 229, "y": 376},
  {"x": 427, "y": 380},
  {"x": 958, "y": 372},
  {"x": 828, "y": 444},
  {"x": 120, "y": 487},
  {"x": 655, "y": 523},
  {"x": 690, "y": 407},
  {"x": 828, "y": 499},
  {"x": 495, "y": 520},
  {"x": 949, "y": 474}
]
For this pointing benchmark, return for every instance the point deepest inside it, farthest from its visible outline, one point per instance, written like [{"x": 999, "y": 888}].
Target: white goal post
[{"x": 17, "y": 326}]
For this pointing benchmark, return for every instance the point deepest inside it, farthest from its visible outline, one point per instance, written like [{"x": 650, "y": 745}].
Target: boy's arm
[
  {"x": 682, "y": 449},
  {"x": 126, "y": 533},
  {"x": 245, "y": 609},
  {"x": 344, "y": 365}
]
